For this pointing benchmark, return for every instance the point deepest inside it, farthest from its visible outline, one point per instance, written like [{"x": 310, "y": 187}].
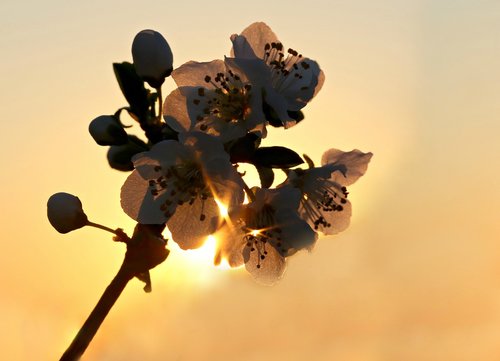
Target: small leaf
[
  {"x": 132, "y": 87},
  {"x": 276, "y": 157},
  {"x": 266, "y": 176}
]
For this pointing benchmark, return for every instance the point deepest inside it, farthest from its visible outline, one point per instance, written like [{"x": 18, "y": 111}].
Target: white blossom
[
  {"x": 214, "y": 98},
  {"x": 262, "y": 233},
  {"x": 324, "y": 204},
  {"x": 177, "y": 182},
  {"x": 288, "y": 80}
]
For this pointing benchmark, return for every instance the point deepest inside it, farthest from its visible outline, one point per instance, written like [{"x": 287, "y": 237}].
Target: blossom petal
[
  {"x": 285, "y": 198},
  {"x": 355, "y": 161},
  {"x": 230, "y": 243},
  {"x": 188, "y": 230},
  {"x": 299, "y": 91},
  {"x": 138, "y": 202},
  {"x": 252, "y": 41},
  {"x": 193, "y": 73},
  {"x": 176, "y": 111},
  {"x": 297, "y": 234},
  {"x": 267, "y": 271},
  {"x": 338, "y": 220}
]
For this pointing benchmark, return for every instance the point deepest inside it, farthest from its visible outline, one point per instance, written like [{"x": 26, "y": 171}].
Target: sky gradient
[{"x": 416, "y": 277}]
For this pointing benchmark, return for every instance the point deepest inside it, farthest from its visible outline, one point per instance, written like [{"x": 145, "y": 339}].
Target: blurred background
[{"x": 415, "y": 277}]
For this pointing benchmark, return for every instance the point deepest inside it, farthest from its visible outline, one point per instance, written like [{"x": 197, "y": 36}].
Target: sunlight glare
[{"x": 222, "y": 209}]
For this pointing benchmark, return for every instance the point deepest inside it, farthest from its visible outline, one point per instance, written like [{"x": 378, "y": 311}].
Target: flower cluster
[{"x": 198, "y": 135}]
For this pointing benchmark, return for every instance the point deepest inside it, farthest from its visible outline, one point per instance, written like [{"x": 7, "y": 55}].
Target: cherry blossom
[
  {"x": 214, "y": 98},
  {"x": 324, "y": 204},
  {"x": 264, "y": 232},
  {"x": 288, "y": 80},
  {"x": 177, "y": 182}
]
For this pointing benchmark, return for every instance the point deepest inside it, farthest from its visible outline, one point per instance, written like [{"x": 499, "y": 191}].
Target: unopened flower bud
[
  {"x": 119, "y": 156},
  {"x": 107, "y": 130},
  {"x": 152, "y": 57},
  {"x": 65, "y": 212}
]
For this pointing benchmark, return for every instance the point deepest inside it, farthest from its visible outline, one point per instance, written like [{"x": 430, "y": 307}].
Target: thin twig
[{"x": 97, "y": 316}]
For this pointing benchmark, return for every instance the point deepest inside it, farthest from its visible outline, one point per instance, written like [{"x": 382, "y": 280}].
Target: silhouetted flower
[
  {"x": 288, "y": 80},
  {"x": 262, "y": 233},
  {"x": 214, "y": 98},
  {"x": 65, "y": 212},
  {"x": 152, "y": 57},
  {"x": 177, "y": 182},
  {"x": 324, "y": 204}
]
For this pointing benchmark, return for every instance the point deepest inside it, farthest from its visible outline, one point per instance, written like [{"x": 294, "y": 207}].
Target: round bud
[
  {"x": 65, "y": 212},
  {"x": 120, "y": 156},
  {"x": 107, "y": 130},
  {"x": 152, "y": 56}
]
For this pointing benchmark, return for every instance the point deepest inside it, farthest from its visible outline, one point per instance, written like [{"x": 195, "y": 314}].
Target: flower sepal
[{"x": 132, "y": 87}]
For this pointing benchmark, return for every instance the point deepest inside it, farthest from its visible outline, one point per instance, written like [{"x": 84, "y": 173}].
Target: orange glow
[
  {"x": 415, "y": 277},
  {"x": 222, "y": 208}
]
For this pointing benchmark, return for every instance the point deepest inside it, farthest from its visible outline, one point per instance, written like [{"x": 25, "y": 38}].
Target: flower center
[
  {"x": 227, "y": 102},
  {"x": 326, "y": 197},
  {"x": 286, "y": 70},
  {"x": 182, "y": 183},
  {"x": 260, "y": 230}
]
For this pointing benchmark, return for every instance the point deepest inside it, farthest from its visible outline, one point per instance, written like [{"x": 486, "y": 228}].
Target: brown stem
[
  {"x": 145, "y": 250},
  {"x": 99, "y": 313}
]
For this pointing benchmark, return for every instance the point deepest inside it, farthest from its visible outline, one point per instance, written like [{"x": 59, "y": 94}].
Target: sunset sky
[{"x": 416, "y": 277}]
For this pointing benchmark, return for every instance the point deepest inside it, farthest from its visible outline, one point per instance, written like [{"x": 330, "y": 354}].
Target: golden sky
[{"x": 417, "y": 275}]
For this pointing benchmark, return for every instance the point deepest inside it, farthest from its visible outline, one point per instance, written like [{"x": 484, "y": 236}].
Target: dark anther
[{"x": 207, "y": 79}]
